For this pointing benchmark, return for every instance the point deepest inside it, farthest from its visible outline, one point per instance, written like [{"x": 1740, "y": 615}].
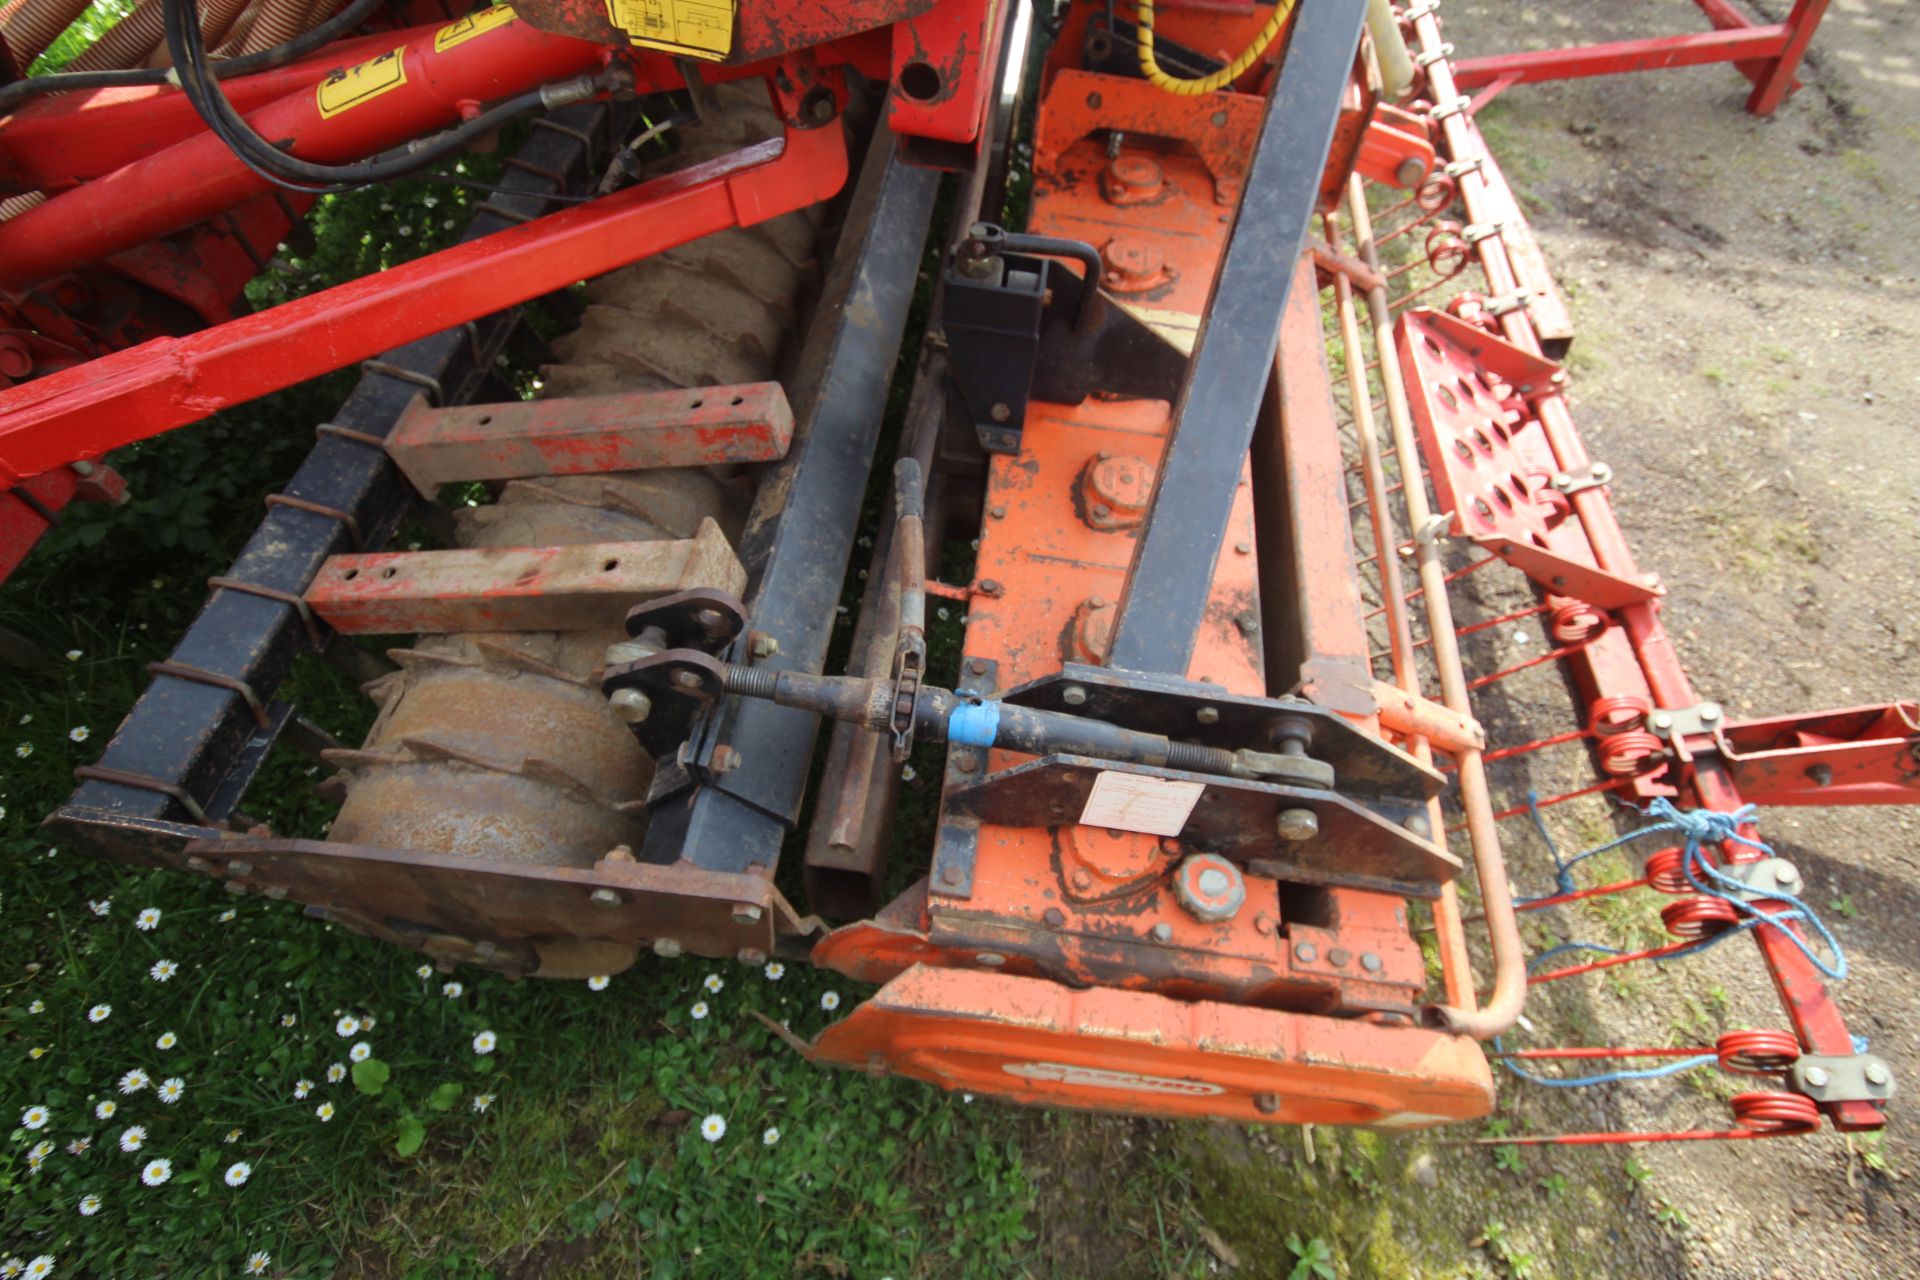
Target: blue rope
[
  {"x": 1606, "y": 1077},
  {"x": 1700, "y": 828}
]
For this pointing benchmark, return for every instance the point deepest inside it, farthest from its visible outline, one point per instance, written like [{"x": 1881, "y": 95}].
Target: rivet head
[
  {"x": 1877, "y": 1074},
  {"x": 951, "y": 875},
  {"x": 1339, "y": 956},
  {"x": 1081, "y": 880},
  {"x": 1370, "y": 962},
  {"x": 1207, "y": 715},
  {"x": 604, "y": 898},
  {"x": 1817, "y": 1077},
  {"x": 1305, "y": 952},
  {"x": 992, "y": 959},
  {"x": 1073, "y": 695},
  {"x": 1661, "y": 720},
  {"x": 1054, "y": 917},
  {"x": 1709, "y": 712},
  {"x": 1162, "y": 932}
]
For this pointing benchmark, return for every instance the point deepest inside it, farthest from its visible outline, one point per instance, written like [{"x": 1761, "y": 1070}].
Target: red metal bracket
[
  {"x": 1860, "y": 755},
  {"x": 28, "y": 510},
  {"x": 1468, "y": 391},
  {"x": 698, "y": 427},
  {"x": 570, "y": 588}
]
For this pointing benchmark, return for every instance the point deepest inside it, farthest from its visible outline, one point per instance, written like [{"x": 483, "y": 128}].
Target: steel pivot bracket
[
  {"x": 1861, "y": 1077},
  {"x": 1765, "y": 878},
  {"x": 1020, "y": 325},
  {"x": 1580, "y": 479},
  {"x": 1469, "y": 392}
]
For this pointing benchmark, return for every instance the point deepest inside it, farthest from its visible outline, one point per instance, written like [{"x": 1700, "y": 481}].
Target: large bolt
[
  {"x": 1306, "y": 952},
  {"x": 1877, "y": 1074},
  {"x": 1370, "y": 962},
  {"x": 1411, "y": 171},
  {"x": 1298, "y": 824},
  {"x": 1709, "y": 712},
  {"x": 1162, "y": 932},
  {"x": 1074, "y": 695},
  {"x": 1817, "y": 1077},
  {"x": 630, "y": 705}
]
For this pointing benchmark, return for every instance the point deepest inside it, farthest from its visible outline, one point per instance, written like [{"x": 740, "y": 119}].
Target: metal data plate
[
  {"x": 1361, "y": 762},
  {"x": 1467, "y": 390},
  {"x": 1356, "y": 847}
]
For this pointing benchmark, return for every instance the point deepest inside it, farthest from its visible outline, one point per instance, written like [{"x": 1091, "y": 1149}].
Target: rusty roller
[{"x": 501, "y": 745}]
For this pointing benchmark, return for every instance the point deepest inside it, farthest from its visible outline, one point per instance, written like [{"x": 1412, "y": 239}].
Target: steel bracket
[
  {"x": 1591, "y": 476},
  {"x": 1765, "y": 878},
  {"x": 1859, "y": 1077},
  {"x": 957, "y": 840},
  {"x": 1686, "y": 722},
  {"x": 1427, "y": 57}
]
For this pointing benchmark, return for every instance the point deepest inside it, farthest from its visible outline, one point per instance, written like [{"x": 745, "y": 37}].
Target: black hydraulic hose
[
  {"x": 265, "y": 60},
  {"x": 276, "y": 166}
]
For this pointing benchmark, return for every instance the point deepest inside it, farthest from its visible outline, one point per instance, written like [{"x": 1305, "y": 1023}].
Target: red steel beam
[
  {"x": 170, "y": 382},
  {"x": 1779, "y": 80},
  {"x": 697, "y": 427},
  {"x": 1626, "y": 55}
]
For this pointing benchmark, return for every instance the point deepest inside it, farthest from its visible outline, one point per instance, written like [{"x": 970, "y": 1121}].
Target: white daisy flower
[
  {"x": 324, "y": 1111},
  {"x": 771, "y": 1136},
  {"x": 35, "y": 1117},
  {"x": 40, "y": 1268},
  {"x": 89, "y": 1205},
  {"x": 775, "y": 971},
  {"x": 360, "y": 1052},
  {"x": 100, "y": 907},
  {"x": 99, "y": 1013},
  {"x": 226, "y": 916},
  {"x": 238, "y": 1172},
  {"x": 336, "y": 1073},
  {"x": 713, "y": 1128},
  {"x": 830, "y": 1001},
  {"x": 11, "y": 1269},
  {"x": 157, "y": 1172},
  {"x": 366, "y": 1023},
  {"x": 301, "y": 1088},
  {"x": 78, "y": 733},
  {"x": 171, "y": 1090},
  {"x": 38, "y": 1052},
  {"x": 166, "y": 1041},
  {"x": 133, "y": 1137},
  {"x": 74, "y": 655},
  {"x": 699, "y": 1010},
  {"x": 714, "y": 982},
  {"x": 24, "y": 750},
  {"x": 424, "y": 972},
  {"x": 148, "y": 919},
  {"x": 481, "y": 1101},
  {"x": 163, "y": 970},
  {"x": 105, "y": 1109},
  {"x": 347, "y": 1026},
  {"x": 451, "y": 990},
  {"x": 485, "y": 1042},
  {"x": 38, "y": 1006},
  {"x": 134, "y": 1081},
  {"x": 233, "y": 1136},
  {"x": 78, "y": 1147},
  {"x": 38, "y": 1156},
  {"x": 598, "y": 982},
  {"x": 258, "y": 1262}
]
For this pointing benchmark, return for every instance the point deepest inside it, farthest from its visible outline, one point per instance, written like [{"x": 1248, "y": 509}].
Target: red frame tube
[{"x": 128, "y": 396}]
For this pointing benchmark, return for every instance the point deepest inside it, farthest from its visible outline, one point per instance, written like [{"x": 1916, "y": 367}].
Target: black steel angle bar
[{"x": 1171, "y": 574}]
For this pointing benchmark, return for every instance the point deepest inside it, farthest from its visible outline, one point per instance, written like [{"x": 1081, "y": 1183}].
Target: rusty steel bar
[
  {"x": 1456, "y": 965},
  {"x": 1509, "y": 957},
  {"x": 568, "y": 588},
  {"x": 700, "y": 426}
]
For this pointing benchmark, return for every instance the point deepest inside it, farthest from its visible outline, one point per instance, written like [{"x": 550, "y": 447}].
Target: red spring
[
  {"x": 1758, "y": 1052},
  {"x": 1472, "y": 308},
  {"x": 1576, "y": 621},
  {"x": 1617, "y": 715},
  {"x": 1436, "y": 193},
  {"x": 1447, "y": 250},
  {"x": 1666, "y": 871},
  {"x": 1775, "y": 1113},
  {"x": 1699, "y": 917},
  {"x": 1629, "y": 754}
]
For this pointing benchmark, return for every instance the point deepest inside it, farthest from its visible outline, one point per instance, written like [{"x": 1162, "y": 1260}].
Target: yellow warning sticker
[
  {"x": 477, "y": 23},
  {"x": 345, "y": 90},
  {"x": 693, "y": 28}
]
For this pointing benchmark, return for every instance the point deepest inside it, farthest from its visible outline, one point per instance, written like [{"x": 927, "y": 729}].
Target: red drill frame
[{"x": 1767, "y": 55}]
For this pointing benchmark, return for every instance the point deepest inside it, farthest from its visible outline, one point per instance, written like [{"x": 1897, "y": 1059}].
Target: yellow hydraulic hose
[{"x": 1219, "y": 79}]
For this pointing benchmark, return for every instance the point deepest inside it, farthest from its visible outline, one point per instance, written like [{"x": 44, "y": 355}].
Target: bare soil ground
[{"x": 1747, "y": 315}]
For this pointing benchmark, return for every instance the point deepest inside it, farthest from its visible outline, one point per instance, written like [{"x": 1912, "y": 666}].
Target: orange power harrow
[{"x": 1238, "y": 428}]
